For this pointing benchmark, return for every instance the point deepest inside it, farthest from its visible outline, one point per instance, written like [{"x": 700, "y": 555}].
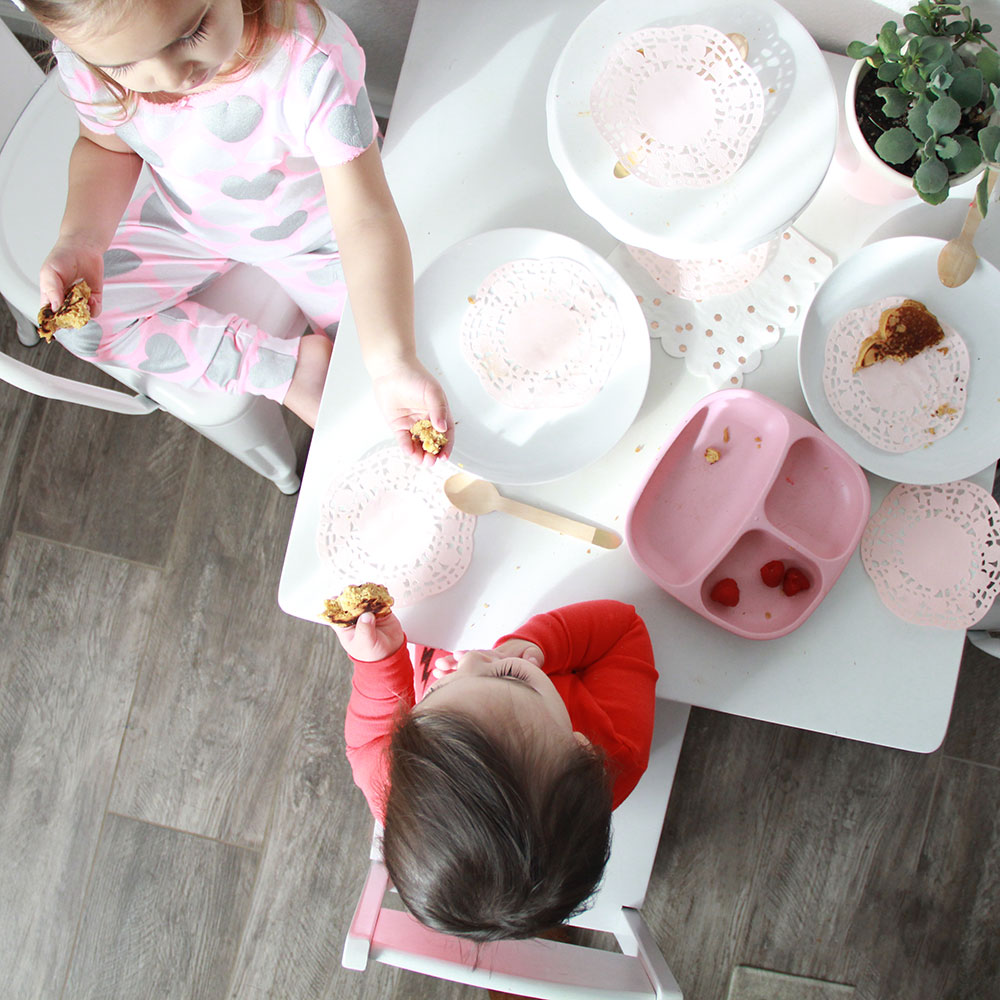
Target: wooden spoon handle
[{"x": 558, "y": 522}]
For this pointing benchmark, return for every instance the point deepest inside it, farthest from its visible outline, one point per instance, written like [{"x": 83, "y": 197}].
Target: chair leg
[
  {"x": 27, "y": 332},
  {"x": 259, "y": 439}
]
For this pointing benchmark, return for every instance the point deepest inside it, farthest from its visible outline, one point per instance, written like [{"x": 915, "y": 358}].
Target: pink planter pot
[{"x": 865, "y": 176}]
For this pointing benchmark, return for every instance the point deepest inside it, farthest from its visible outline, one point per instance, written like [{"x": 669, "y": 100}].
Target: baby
[{"x": 495, "y": 771}]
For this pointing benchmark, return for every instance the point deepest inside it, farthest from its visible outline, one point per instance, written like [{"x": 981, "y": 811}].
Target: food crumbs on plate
[
  {"x": 712, "y": 456},
  {"x": 943, "y": 351},
  {"x": 767, "y": 614},
  {"x": 471, "y": 299},
  {"x": 639, "y": 448},
  {"x": 932, "y": 430},
  {"x": 725, "y": 435},
  {"x": 945, "y": 410},
  {"x": 789, "y": 480}
]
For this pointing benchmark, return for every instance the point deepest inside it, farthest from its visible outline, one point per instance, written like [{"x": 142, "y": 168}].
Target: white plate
[
  {"x": 497, "y": 442},
  {"x": 756, "y": 202},
  {"x": 908, "y": 266}
]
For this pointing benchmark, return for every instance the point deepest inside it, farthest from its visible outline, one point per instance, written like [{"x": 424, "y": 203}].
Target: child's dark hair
[{"x": 487, "y": 838}]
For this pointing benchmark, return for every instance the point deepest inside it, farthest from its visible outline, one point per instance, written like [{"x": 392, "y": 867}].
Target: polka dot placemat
[{"x": 722, "y": 336}]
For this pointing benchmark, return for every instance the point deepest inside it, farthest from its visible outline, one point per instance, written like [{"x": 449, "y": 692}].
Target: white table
[{"x": 466, "y": 152}]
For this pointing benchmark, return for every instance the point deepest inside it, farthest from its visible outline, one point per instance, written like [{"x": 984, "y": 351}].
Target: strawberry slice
[
  {"x": 795, "y": 581},
  {"x": 773, "y": 573},
  {"x": 726, "y": 592}
]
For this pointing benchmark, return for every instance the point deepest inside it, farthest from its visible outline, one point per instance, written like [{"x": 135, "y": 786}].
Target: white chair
[
  {"x": 38, "y": 127},
  {"x": 549, "y": 970}
]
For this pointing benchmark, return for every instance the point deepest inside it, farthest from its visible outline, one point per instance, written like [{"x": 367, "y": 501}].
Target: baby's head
[{"x": 498, "y": 817}]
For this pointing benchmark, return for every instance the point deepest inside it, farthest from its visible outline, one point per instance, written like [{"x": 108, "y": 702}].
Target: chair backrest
[
  {"x": 550, "y": 970},
  {"x": 20, "y": 77}
]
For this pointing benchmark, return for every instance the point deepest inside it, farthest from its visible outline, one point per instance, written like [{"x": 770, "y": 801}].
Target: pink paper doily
[
  {"x": 705, "y": 278},
  {"x": 894, "y": 406},
  {"x": 933, "y": 553},
  {"x": 722, "y": 337},
  {"x": 678, "y": 106},
  {"x": 542, "y": 333},
  {"x": 388, "y": 520}
]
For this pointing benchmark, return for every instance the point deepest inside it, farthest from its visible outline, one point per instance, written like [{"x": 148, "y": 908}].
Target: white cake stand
[{"x": 785, "y": 165}]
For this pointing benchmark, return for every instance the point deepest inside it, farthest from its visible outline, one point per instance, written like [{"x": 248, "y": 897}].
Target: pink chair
[
  {"x": 549, "y": 970},
  {"x": 38, "y": 127}
]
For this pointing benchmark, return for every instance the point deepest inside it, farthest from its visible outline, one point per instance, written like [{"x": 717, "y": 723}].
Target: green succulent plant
[{"x": 941, "y": 75}]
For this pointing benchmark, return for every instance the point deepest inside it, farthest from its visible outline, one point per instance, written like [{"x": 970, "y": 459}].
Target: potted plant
[{"x": 925, "y": 98}]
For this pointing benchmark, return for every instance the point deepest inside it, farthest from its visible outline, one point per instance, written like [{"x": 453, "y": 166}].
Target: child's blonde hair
[{"x": 266, "y": 21}]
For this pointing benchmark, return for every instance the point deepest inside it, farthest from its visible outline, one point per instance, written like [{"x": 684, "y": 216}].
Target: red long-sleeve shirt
[{"x": 598, "y": 656}]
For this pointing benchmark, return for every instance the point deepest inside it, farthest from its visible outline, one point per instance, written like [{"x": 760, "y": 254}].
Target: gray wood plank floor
[{"x": 179, "y": 820}]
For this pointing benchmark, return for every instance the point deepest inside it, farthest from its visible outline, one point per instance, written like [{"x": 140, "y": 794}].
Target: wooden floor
[{"x": 179, "y": 821}]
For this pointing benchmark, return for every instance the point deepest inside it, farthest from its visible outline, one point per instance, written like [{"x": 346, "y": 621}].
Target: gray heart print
[
  {"x": 233, "y": 121},
  {"x": 257, "y": 189}
]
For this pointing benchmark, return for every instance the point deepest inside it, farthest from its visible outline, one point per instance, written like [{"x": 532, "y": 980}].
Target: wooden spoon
[
  {"x": 958, "y": 257},
  {"x": 477, "y": 496}
]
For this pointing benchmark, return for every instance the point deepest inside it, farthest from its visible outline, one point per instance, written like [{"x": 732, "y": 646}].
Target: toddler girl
[
  {"x": 219, "y": 131},
  {"x": 495, "y": 771}
]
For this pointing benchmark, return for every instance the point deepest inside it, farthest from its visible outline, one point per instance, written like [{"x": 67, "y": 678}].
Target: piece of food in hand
[
  {"x": 903, "y": 332},
  {"x": 772, "y": 573},
  {"x": 71, "y": 315},
  {"x": 430, "y": 438},
  {"x": 354, "y": 601},
  {"x": 795, "y": 582},
  {"x": 726, "y": 592}
]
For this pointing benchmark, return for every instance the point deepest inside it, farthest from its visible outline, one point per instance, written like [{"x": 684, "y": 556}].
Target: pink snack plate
[{"x": 780, "y": 490}]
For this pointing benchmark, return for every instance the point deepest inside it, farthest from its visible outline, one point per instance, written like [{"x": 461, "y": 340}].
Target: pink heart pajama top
[{"x": 231, "y": 175}]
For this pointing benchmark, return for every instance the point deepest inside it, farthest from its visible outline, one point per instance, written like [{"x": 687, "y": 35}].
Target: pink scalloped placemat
[
  {"x": 678, "y": 105},
  {"x": 721, "y": 337},
  {"x": 895, "y": 406},
  {"x": 388, "y": 520},
  {"x": 542, "y": 333},
  {"x": 933, "y": 553}
]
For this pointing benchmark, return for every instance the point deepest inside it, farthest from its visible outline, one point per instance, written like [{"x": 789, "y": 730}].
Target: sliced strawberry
[
  {"x": 795, "y": 581},
  {"x": 726, "y": 592},
  {"x": 773, "y": 573}
]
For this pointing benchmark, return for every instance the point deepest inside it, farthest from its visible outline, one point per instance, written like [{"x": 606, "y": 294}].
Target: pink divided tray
[{"x": 781, "y": 489}]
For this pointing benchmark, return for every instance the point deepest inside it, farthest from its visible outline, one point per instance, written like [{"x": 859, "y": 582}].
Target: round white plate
[
  {"x": 516, "y": 446},
  {"x": 787, "y": 161},
  {"x": 908, "y": 266}
]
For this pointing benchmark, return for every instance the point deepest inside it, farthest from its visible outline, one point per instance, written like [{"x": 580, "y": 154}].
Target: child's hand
[
  {"x": 68, "y": 261},
  {"x": 372, "y": 638},
  {"x": 410, "y": 393},
  {"x": 518, "y": 648},
  {"x": 522, "y": 649}
]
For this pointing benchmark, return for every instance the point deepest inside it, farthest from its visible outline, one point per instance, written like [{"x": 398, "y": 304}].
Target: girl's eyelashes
[
  {"x": 198, "y": 34},
  {"x": 193, "y": 38}
]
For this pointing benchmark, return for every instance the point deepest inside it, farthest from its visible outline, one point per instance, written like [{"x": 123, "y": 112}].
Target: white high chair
[
  {"x": 549, "y": 970},
  {"x": 38, "y": 127}
]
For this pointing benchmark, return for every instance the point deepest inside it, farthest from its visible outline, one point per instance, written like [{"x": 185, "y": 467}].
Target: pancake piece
[
  {"x": 354, "y": 601},
  {"x": 430, "y": 438},
  {"x": 71, "y": 315},
  {"x": 903, "y": 332}
]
